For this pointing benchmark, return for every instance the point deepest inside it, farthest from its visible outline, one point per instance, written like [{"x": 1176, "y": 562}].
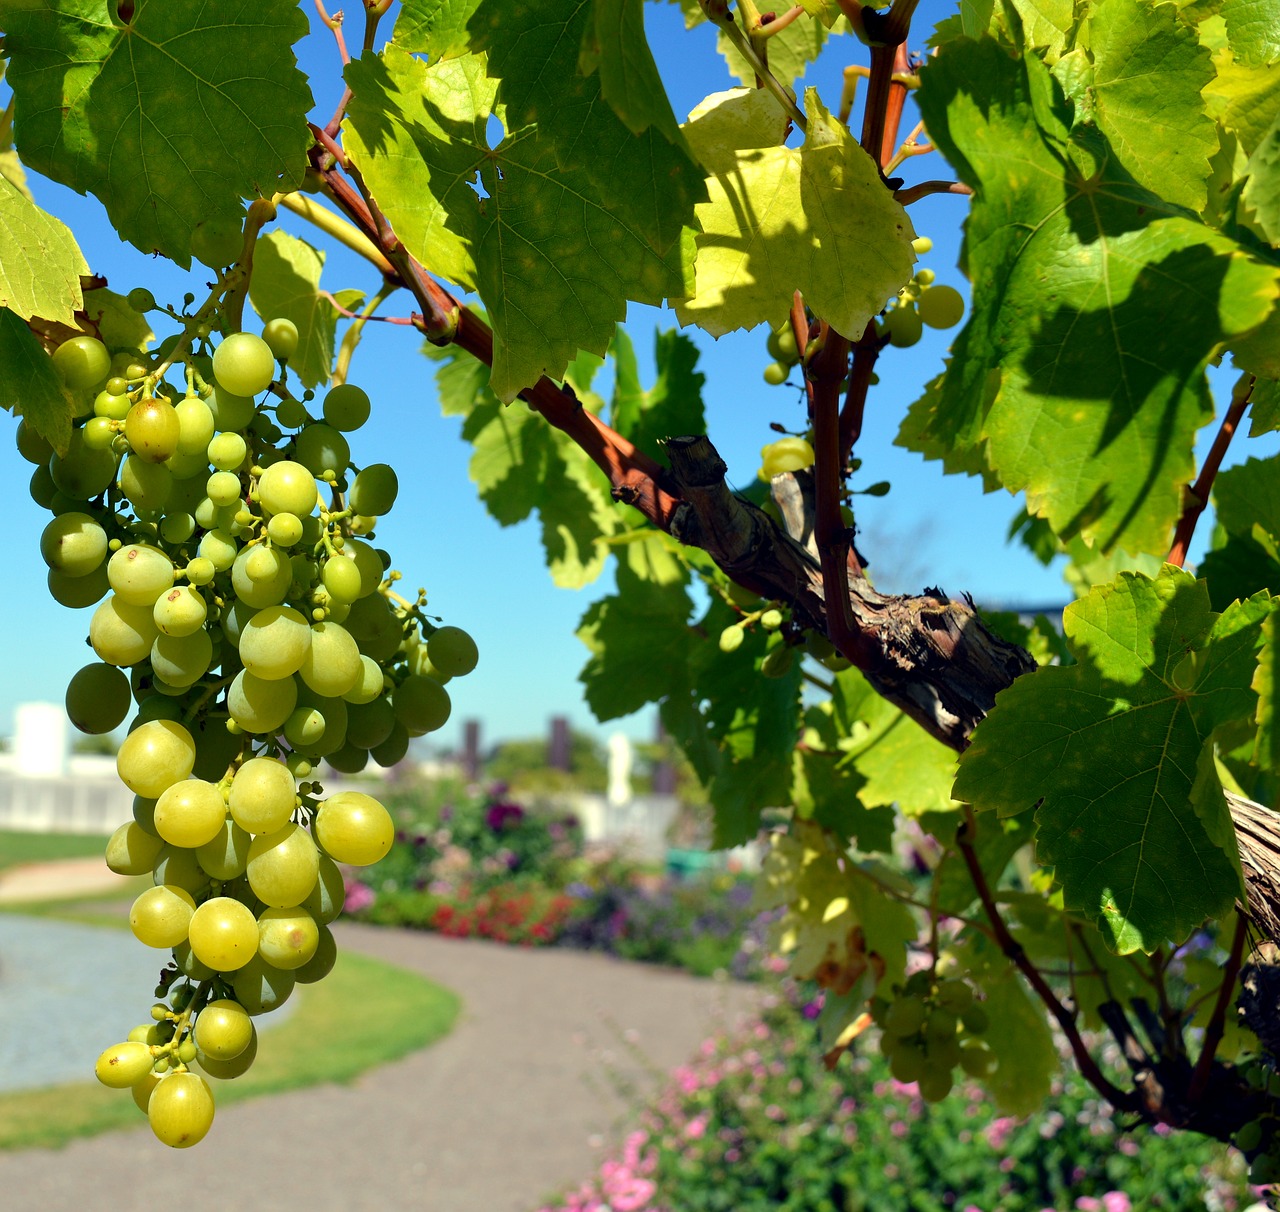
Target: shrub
[{"x": 755, "y": 1123}]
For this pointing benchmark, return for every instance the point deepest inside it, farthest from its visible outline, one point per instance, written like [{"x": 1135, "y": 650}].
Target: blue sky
[{"x": 929, "y": 529}]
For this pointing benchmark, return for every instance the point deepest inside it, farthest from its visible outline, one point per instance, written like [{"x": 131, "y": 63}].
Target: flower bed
[{"x": 755, "y": 1124}]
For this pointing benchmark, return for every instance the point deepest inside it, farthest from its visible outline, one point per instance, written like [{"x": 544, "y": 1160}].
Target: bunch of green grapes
[
  {"x": 929, "y": 1028},
  {"x": 782, "y": 349},
  {"x": 921, "y": 302},
  {"x": 222, "y": 536}
]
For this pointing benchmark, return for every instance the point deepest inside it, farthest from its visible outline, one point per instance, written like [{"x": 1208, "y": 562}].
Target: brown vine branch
[
  {"x": 866, "y": 352},
  {"x": 1198, "y": 494},
  {"x": 1120, "y": 1099},
  {"x": 1217, "y": 1021},
  {"x": 913, "y": 193}
]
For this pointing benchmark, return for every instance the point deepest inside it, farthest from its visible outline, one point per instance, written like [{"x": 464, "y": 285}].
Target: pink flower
[
  {"x": 900, "y": 1129},
  {"x": 1086, "y": 1203},
  {"x": 999, "y": 1130},
  {"x": 696, "y": 1128},
  {"x": 1116, "y": 1201}
]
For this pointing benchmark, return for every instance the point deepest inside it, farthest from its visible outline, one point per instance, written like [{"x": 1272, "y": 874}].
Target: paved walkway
[
  {"x": 59, "y": 879},
  {"x": 491, "y": 1119}
]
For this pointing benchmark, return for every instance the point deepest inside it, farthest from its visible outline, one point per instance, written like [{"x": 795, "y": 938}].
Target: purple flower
[{"x": 502, "y": 814}]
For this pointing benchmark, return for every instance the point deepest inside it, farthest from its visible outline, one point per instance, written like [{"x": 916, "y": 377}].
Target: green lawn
[
  {"x": 364, "y": 1013},
  {"x": 17, "y": 848}
]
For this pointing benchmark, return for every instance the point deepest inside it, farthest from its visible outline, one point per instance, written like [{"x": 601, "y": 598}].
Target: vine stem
[
  {"x": 337, "y": 227},
  {"x": 913, "y": 193},
  {"x": 1217, "y": 1022},
  {"x": 1198, "y": 494},
  {"x": 1013, "y": 949}
]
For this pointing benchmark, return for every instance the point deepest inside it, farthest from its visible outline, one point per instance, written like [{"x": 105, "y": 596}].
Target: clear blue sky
[{"x": 929, "y": 529}]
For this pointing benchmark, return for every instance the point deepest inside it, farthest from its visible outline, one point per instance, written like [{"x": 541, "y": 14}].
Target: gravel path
[{"x": 490, "y": 1119}]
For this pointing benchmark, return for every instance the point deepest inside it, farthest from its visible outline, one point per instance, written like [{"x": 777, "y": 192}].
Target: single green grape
[
  {"x": 141, "y": 299},
  {"x": 180, "y": 1109},
  {"x": 452, "y": 651},
  {"x": 904, "y": 326},
  {"x": 282, "y": 337},
  {"x": 775, "y": 374},
  {"x": 354, "y": 828},
  {"x": 98, "y": 698},
  {"x": 82, "y": 362},
  {"x": 373, "y": 491},
  {"x": 422, "y": 705},
  {"x": 346, "y": 407},
  {"x": 223, "y": 934},
  {"x": 244, "y": 365},
  {"x": 941, "y": 307},
  {"x": 217, "y": 242},
  {"x": 921, "y": 245},
  {"x": 123, "y": 1065}
]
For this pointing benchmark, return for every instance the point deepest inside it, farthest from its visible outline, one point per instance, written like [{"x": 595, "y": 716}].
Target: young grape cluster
[
  {"x": 223, "y": 537},
  {"x": 918, "y": 303},
  {"x": 929, "y": 1028}
]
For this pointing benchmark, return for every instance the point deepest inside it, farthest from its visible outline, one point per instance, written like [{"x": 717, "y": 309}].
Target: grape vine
[{"x": 1088, "y": 803}]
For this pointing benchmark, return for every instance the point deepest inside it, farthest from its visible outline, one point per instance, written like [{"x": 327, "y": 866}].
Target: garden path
[{"x": 490, "y": 1119}]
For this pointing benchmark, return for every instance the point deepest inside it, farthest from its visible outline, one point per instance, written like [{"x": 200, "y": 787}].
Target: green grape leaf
[
  {"x": 975, "y": 17},
  {"x": 1104, "y": 374},
  {"x": 650, "y": 612},
  {"x": 12, "y": 171},
  {"x": 647, "y": 182},
  {"x": 826, "y": 11},
  {"x": 614, "y": 45},
  {"x": 817, "y": 219},
  {"x": 552, "y": 264},
  {"x": 1046, "y": 24},
  {"x": 1244, "y": 560},
  {"x": 1019, "y": 1035},
  {"x": 932, "y": 433},
  {"x": 1258, "y": 352},
  {"x": 40, "y": 261},
  {"x": 119, "y": 326},
  {"x": 1264, "y": 408},
  {"x": 790, "y": 52},
  {"x": 897, "y": 761},
  {"x": 1262, "y": 189},
  {"x": 1266, "y": 685},
  {"x": 30, "y": 387},
  {"x": 1148, "y": 70},
  {"x": 521, "y": 464},
  {"x": 286, "y": 285},
  {"x": 435, "y": 28},
  {"x": 170, "y": 118},
  {"x": 1244, "y": 99},
  {"x": 1117, "y": 751},
  {"x": 671, "y": 407},
  {"x": 1249, "y": 495},
  {"x": 1253, "y": 28},
  {"x": 741, "y": 119},
  {"x": 823, "y": 789}
]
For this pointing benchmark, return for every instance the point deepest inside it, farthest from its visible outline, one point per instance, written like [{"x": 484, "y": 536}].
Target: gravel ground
[{"x": 492, "y": 1118}]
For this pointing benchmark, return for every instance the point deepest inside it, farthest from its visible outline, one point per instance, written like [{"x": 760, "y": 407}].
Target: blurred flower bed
[
  {"x": 756, "y": 1123},
  {"x": 482, "y": 866}
]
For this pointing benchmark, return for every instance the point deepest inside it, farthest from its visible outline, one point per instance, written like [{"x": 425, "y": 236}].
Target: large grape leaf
[
  {"x": 1262, "y": 189},
  {"x": 1117, "y": 752},
  {"x": 521, "y": 464},
  {"x": 286, "y": 285},
  {"x": 671, "y": 407},
  {"x": 170, "y": 117},
  {"x": 741, "y": 119},
  {"x": 790, "y": 52},
  {"x": 1244, "y": 98},
  {"x": 1086, "y": 395},
  {"x": 817, "y": 219},
  {"x": 1264, "y": 409},
  {"x": 649, "y": 613},
  {"x": 30, "y": 387},
  {"x": 553, "y": 264},
  {"x": 645, "y": 179},
  {"x": 1148, "y": 70},
  {"x": 615, "y": 46},
  {"x": 40, "y": 262},
  {"x": 1253, "y": 27},
  {"x": 1246, "y": 556},
  {"x": 435, "y": 28}
]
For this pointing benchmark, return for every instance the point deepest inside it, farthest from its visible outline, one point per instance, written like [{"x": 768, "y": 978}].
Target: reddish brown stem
[
  {"x": 825, "y": 374},
  {"x": 913, "y": 193},
  {"x": 1217, "y": 1022},
  {"x": 1118, "y": 1098},
  {"x": 866, "y": 351},
  {"x": 1198, "y": 494}
]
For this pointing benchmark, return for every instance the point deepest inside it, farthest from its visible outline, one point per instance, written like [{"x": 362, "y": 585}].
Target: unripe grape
[
  {"x": 244, "y": 364},
  {"x": 160, "y": 916},
  {"x": 78, "y": 592},
  {"x": 123, "y": 1065},
  {"x": 74, "y": 544},
  {"x": 230, "y": 411},
  {"x": 260, "y": 705},
  {"x": 180, "y": 1110},
  {"x": 238, "y": 1066},
  {"x": 219, "y": 548},
  {"x": 904, "y": 326},
  {"x": 775, "y": 374},
  {"x": 153, "y": 429},
  {"x": 98, "y": 698},
  {"x": 285, "y": 529},
  {"x": 422, "y": 705},
  {"x": 346, "y": 407},
  {"x": 217, "y": 241},
  {"x": 179, "y": 612},
  {"x": 180, "y": 868},
  {"x": 148, "y": 486},
  {"x": 935, "y": 1085},
  {"x": 108, "y": 406},
  {"x": 263, "y": 795},
  {"x": 452, "y": 651},
  {"x": 122, "y": 633},
  {"x": 261, "y": 576},
  {"x": 321, "y": 964},
  {"x": 131, "y": 850},
  {"x": 373, "y": 491},
  {"x": 331, "y": 665},
  {"x": 223, "y": 1028},
  {"x": 190, "y": 813},
  {"x": 786, "y": 454},
  {"x": 261, "y": 987},
  {"x": 369, "y": 684},
  {"x": 275, "y": 642},
  {"x": 227, "y": 452},
  {"x": 140, "y": 574},
  {"x": 921, "y": 245},
  {"x": 349, "y": 759},
  {"x": 81, "y": 473},
  {"x": 977, "y": 1060},
  {"x": 182, "y": 660},
  {"x": 731, "y": 638},
  {"x": 782, "y": 345},
  {"x": 324, "y": 901},
  {"x": 341, "y": 578},
  {"x": 32, "y": 444},
  {"x": 771, "y": 620},
  {"x": 155, "y": 756},
  {"x": 281, "y": 336},
  {"x": 287, "y": 937},
  {"x": 223, "y": 934},
  {"x": 925, "y": 277},
  {"x": 82, "y": 362},
  {"x": 905, "y": 1016},
  {"x": 354, "y": 828},
  {"x": 321, "y": 448},
  {"x": 394, "y": 748},
  {"x": 941, "y": 307},
  {"x": 177, "y": 528},
  {"x": 287, "y": 487},
  {"x": 141, "y": 299}
]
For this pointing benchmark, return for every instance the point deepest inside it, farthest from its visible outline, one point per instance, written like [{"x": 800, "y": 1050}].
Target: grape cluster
[
  {"x": 1259, "y": 1139},
  {"x": 918, "y": 303},
  {"x": 929, "y": 1028},
  {"x": 223, "y": 536}
]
